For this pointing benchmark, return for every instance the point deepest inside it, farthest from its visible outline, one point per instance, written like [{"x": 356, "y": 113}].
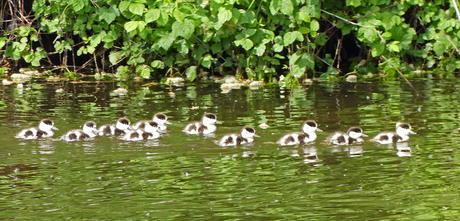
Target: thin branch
[
  {"x": 413, "y": 88},
  {"x": 452, "y": 43},
  {"x": 350, "y": 22}
]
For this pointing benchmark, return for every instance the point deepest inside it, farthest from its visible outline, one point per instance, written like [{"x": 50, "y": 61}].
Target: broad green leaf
[
  {"x": 377, "y": 49},
  {"x": 314, "y": 25},
  {"x": 277, "y": 47},
  {"x": 78, "y": 4},
  {"x": 130, "y": 26},
  {"x": 297, "y": 71},
  {"x": 3, "y": 41},
  {"x": 439, "y": 48},
  {"x": 303, "y": 16},
  {"x": 304, "y": 30},
  {"x": 123, "y": 5},
  {"x": 108, "y": 15},
  {"x": 207, "y": 61},
  {"x": 215, "y": 48},
  {"x": 137, "y": 8},
  {"x": 141, "y": 25},
  {"x": 23, "y": 31},
  {"x": 143, "y": 71},
  {"x": 224, "y": 15},
  {"x": 260, "y": 50},
  {"x": 177, "y": 14},
  {"x": 275, "y": 6},
  {"x": 286, "y": 7},
  {"x": 184, "y": 29},
  {"x": 191, "y": 73},
  {"x": 166, "y": 41},
  {"x": 293, "y": 59},
  {"x": 354, "y": 3},
  {"x": 290, "y": 37},
  {"x": 114, "y": 57},
  {"x": 246, "y": 43},
  {"x": 394, "y": 46},
  {"x": 163, "y": 19},
  {"x": 152, "y": 15},
  {"x": 157, "y": 64}
]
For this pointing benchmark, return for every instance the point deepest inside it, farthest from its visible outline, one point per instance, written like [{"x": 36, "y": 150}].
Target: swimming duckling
[
  {"x": 353, "y": 135},
  {"x": 118, "y": 129},
  {"x": 137, "y": 135},
  {"x": 148, "y": 130},
  {"x": 89, "y": 130},
  {"x": 206, "y": 126},
  {"x": 160, "y": 118},
  {"x": 402, "y": 134},
  {"x": 45, "y": 129},
  {"x": 308, "y": 134},
  {"x": 246, "y": 135}
]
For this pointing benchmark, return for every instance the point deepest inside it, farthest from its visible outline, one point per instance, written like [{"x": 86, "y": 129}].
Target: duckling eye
[{"x": 250, "y": 130}]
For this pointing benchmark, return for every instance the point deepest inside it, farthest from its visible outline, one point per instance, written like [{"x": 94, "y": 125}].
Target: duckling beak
[
  {"x": 255, "y": 135},
  {"x": 364, "y": 135},
  {"x": 55, "y": 128},
  {"x": 319, "y": 130},
  {"x": 412, "y": 132},
  {"x": 218, "y": 122},
  {"x": 167, "y": 122}
]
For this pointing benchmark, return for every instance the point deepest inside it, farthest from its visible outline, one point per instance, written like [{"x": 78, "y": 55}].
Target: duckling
[
  {"x": 148, "y": 130},
  {"x": 89, "y": 130},
  {"x": 137, "y": 135},
  {"x": 45, "y": 129},
  {"x": 402, "y": 134},
  {"x": 246, "y": 135},
  {"x": 308, "y": 134},
  {"x": 123, "y": 124},
  {"x": 160, "y": 118},
  {"x": 206, "y": 126},
  {"x": 353, "y": 135}
]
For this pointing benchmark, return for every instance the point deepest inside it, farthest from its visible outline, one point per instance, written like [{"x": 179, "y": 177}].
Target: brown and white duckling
[
  {"x": 148, "y": 130},
  {"x": 45, "y": 129},
  {"x": 353, "y": 135},
  {"x": 160, "y": 118},
  {"x": 89, "y": 130},
  {"x": 120, "y": 128},
  {"x": 402, "y": 134},
  {"x": 308, "y": 134},
  {"x": 206, "y": 126},
  {"x": 246, "y": 135}
]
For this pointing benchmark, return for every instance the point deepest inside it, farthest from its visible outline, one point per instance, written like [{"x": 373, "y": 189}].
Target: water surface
[{"x": 189, "y": 177}]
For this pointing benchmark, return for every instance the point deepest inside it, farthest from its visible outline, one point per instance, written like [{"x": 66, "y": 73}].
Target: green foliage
[{"x": 259, "y": 37}]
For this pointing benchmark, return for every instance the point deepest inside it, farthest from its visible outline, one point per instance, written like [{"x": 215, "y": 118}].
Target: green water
[{"x": 186, "y": 177}]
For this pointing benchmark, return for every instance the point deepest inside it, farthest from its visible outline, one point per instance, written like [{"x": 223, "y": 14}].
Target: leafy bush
[{"x": 258, "y": 39}]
